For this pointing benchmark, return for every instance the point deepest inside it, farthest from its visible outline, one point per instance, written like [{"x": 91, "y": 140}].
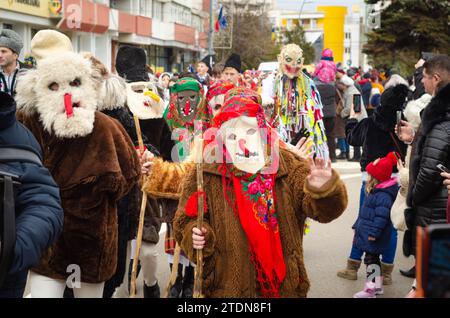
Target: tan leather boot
[
  {"x": 386, "y": 271},
  {"x": 351, "y": 272}
]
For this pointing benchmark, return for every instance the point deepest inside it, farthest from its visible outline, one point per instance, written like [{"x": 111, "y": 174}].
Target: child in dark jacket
[{"x": 373, "y": 227}]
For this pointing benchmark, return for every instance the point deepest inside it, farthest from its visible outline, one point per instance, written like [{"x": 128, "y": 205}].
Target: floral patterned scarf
[{"x": 255, "y": 204}]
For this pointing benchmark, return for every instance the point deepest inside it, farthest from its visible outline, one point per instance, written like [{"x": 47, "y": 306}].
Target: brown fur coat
[
  {"x": 228, "y": 271},
  {"x": 93, "y": 173}
]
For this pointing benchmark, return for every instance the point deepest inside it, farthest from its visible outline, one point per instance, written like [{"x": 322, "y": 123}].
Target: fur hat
[
  {"x": 381, "y": 169},
  {"x": 234, "y": 61},
  {"x": 131, "y": 64},
  {"x": 49, "y": 42},
  {"x": 11, "y": 40}
]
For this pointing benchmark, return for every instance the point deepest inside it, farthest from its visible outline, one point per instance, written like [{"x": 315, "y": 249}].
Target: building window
[
  {"x": 157, "y": 11},
  {"x": 347, "y": 50},
  {"x": 197, "y": 23},
  {"x": 348, "y": 35}
]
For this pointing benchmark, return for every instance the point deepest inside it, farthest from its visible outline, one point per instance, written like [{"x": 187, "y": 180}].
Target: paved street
[{"x": 327, "y": 247}]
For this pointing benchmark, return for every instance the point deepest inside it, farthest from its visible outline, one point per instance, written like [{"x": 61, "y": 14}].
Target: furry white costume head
[{"x": 61, "y": 90}]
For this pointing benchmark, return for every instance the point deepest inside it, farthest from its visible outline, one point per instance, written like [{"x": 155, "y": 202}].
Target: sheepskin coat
[
  {"x": 228, "y": 270},
  {"x": 93, "y": 173}
]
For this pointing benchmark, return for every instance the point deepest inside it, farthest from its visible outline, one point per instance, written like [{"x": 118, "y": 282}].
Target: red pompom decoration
[{"x": 191, "y": 208}]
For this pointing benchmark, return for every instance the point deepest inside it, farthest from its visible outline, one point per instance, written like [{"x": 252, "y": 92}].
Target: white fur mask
[
  {"x": 144, "y": 101},
  {"x": 63, "y": 93},
  {"x": 242, "y": 138}
]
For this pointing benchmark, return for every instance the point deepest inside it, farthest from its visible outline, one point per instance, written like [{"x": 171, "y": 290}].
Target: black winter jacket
[
  {"x": 376, "y": 133},
  {"x": 328, "y": 98},
  {"x": 427, "y": 195}
]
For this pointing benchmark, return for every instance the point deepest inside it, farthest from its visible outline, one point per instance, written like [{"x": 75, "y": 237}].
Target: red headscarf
[
  {"x": 218, "y": 88},
  {"x": 255, "y": 203}
]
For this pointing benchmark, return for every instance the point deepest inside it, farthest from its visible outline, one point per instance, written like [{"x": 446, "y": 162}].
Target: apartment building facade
[{"x": 173, "y": 32}]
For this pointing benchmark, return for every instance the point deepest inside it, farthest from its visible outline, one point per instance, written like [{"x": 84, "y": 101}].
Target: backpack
[{"x": 9, "y": 184}]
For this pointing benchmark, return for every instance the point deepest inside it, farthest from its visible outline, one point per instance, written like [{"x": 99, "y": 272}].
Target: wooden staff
[
  {"x": 199, "y": 266},
  {"x": 174, "y": 272},
  {"x": 141, "y": 217}
]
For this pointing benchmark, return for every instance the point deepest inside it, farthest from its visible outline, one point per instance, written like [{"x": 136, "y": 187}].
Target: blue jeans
[
  {"x": 343, "y": 145},
  {"x": 389, "y": 255}
]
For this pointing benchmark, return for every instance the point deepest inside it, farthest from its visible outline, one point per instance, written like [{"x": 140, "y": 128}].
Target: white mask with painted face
[
  {"x": 216, "y": 103},
  {"x": 242, "y": 138},
  {"x": 144, "y": 101}
]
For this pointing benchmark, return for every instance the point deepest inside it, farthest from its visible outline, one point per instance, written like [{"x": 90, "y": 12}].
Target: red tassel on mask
[{"x": 68, "y": 104}]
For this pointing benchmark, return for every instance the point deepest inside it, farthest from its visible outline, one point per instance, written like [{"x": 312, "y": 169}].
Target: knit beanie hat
[
  {"x": 381, "y": 169},
  {"x": 234, "y": 61},
  {"x": 49, "y": 42},
  {"x": 11, "y": 40},
  {"x": 327, "y": 55},
  {"x": 131, "y": 64}
]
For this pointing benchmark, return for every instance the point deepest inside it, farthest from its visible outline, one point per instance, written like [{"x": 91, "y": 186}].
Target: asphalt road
[{"x": 326, "y": 248}]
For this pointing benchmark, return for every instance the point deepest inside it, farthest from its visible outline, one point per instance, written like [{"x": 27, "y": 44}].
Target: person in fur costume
[
  {"x": 297, "y": 101},
  {"x": 113, "y": 102},
  {"x": 93, "y": 161},
  {"x": 255, "y": 208}
]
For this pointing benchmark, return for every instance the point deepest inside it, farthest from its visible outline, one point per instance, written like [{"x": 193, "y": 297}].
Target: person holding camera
[
  {"x": 352, "y": 98},
  {"x": 375, "y": 135},
  {"x": 427, "y": 194}
]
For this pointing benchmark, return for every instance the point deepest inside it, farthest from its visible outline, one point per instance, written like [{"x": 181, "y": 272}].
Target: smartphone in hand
[
  {"x": 443, "y": 168},
  {"x": 357, "y": 103}
]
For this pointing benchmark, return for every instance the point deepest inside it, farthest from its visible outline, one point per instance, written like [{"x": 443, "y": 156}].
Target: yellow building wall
[{"x": 333, "y": 29}]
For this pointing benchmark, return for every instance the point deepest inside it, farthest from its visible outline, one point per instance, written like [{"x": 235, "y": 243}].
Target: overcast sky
[{"x": 310, "y": 5}]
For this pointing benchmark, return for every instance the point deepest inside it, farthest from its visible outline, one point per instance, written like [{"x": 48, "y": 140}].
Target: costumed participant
[
  {"x": 113, "y": 102},
  {"x": 187, "y": 108},
  {"x": 257, "y": 199},
  {"x": 186, "y": 115},
  {"x": 144, "y": 100},
  {"x": 131, "y": 65},
  {"x": 216, "y": 95},
  {"x": 232, "y": 70},
  {"x": 94, "y": 163},
  {"x": 298, "y": 108}
]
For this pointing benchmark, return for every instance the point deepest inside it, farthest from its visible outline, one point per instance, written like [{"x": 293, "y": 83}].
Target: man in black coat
[
  {"x": 39, "y": 215},
  {"x": 376, "y": 133},
  {"x": 426, "y": 194},
  {"x": 327, "y": 93}
]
